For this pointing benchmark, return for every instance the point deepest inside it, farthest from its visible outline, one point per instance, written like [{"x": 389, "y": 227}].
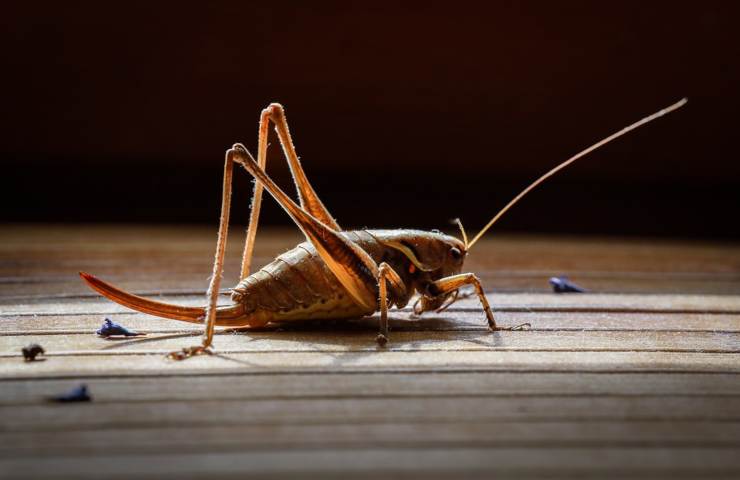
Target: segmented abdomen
[{"x": 298, "y": 285}]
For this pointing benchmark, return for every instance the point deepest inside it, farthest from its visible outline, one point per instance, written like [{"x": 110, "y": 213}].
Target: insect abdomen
[{"x": 297, "y": 285}]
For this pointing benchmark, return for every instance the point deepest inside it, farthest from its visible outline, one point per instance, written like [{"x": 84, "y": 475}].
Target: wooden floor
[{"x": 639, "y": 378}]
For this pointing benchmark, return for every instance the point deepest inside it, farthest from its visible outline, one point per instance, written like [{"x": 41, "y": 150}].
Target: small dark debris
[
  {"x": 112, "y": 329},
  {"x": 77, "y": 394},
  {"x": 32, "y": 350},
  {"x": 563, "y": 285}
]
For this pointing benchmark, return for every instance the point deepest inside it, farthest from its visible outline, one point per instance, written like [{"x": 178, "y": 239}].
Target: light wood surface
[{"x": 638, "y": 378}]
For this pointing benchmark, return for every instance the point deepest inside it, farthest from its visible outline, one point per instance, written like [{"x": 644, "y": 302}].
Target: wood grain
[{"x": 639, "y": 378}]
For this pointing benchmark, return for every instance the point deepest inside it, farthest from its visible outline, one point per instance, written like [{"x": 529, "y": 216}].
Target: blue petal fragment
[
  {"x": 77, "y": 394},
  {"x": 110, "y": 329},
  {"x": 563, "y": 285}
]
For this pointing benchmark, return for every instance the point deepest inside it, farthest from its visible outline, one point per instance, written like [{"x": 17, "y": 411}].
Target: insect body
[
  {"x": 298, "y": 285},
  {"x": 335, "y": 273},
  {"x": 280, "y": 291}
]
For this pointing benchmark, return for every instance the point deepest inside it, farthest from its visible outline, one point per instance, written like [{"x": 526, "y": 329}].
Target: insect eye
[{"x": 455, "y": 253}]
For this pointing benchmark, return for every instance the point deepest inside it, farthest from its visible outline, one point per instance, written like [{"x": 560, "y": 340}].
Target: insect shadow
[{"x": 326, "y": 333}]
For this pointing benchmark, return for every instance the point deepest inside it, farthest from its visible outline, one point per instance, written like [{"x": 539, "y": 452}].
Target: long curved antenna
[{"x": 572, "y": 159}]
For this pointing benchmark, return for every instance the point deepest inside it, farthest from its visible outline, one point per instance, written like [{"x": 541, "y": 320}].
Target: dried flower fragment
[
  {"x": 77, "y": 394},
  {"x": 112, "y": 329},
  {"x": 31, "y": 351},
  {"x": 563, "y": 285}
]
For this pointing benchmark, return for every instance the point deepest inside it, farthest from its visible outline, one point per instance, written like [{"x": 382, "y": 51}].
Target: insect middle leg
[
  {"x": 386, "y": 275},
  {"x": 443, "y": 286}
]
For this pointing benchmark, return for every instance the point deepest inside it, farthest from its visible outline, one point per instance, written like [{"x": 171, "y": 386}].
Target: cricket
[{"x": 335, "y": 273}]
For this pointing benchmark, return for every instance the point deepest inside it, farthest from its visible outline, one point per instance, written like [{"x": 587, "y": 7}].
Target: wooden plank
[
  {"x": 143, "y": 244},
  {"x": 401, "y": 341},
  {"x": 107, "y": 412},
  {"x": 44, "y": 261},
  {"x": 157, "y": 278},
  {"x": 261, "y": 384},
  {"x": 511, "y": 462},
  {"x": 449, "y": 320},
  {"x": 526, "y": 302},
  {"x": 132, "y": 439},
  {"x": 124, "y": 363}
]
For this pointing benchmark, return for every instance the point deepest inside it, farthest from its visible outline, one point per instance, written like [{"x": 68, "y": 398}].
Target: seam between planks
[
  {"x": 395, "y": 445},
  {"x": 387, "y": 351},
  {"x": 194, "y": 332},
  {"x": 366, "y": 371}
]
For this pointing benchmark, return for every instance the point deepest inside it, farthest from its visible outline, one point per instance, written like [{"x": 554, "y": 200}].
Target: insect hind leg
[
  {"x": 307, "y": 197},
  {"x": 218, "y": 268},
  {"x": 351, "y": 265}
]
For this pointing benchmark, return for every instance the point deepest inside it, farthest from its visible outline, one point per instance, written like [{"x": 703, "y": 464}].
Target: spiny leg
[
  {"x": 218, "y": 268},
  {"x": 307, "y": 197},
  {"x": 386, "y": 274},
  {"x": 254, "y": 215},
  {"x": 352, "y": 266},
  {"x": 443, "y": 286}
]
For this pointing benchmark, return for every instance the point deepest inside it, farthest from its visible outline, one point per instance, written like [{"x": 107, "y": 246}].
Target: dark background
[{"x": 404, "y": 114}]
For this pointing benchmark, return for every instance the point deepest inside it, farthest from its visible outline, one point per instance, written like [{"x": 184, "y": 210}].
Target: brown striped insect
[{"x": 335, "y": 274}]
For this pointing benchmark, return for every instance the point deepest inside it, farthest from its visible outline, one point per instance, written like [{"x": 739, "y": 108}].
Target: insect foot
[
  {"x": 516, "y": 328},
  {"x": 186, "y": 353}
]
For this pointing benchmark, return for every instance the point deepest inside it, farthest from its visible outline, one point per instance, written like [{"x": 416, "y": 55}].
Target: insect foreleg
[
  {"x": 386, "y": 275},
  {"x": 444, "y": 286}
]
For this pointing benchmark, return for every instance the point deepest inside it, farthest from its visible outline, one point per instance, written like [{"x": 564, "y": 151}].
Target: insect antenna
[
  {"x": 462, "y": 231},
  {"x": 572, "y": 159}
]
